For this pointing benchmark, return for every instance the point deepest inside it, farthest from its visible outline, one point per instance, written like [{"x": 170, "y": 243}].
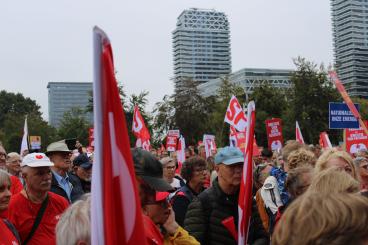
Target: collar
[{"x": 59, "y": 178}]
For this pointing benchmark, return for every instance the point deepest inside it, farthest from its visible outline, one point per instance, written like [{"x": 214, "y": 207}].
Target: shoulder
[
  {"x": 58, "y": 200},
  {"x": 16, "y": 200}
]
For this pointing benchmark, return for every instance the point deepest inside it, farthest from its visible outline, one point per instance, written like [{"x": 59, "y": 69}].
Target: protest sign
[
  {"x": 274, "y": 134},
  {"x": 209, "y": 144},
  {"x": 35, "y": 142},
  {"x": 172, "y": 139},
  {"x": 355, "y": 140},
  {"x": 341, "y": 117}
]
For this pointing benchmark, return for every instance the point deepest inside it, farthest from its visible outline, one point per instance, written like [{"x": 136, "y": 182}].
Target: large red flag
[
  {"x": 140, "y": 130},
  {"x": 116, "y": 214},
  {"x": 298, "y": 134},
  {"x": 235, "y": 115},
  {"x": 245, "y": 194}
]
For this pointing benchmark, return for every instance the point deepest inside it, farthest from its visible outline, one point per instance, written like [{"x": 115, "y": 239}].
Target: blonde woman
[{"x": 319, "y": 218}]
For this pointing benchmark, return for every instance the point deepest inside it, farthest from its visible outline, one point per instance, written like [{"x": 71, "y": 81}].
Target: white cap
[{"x": 36, "y": 160}]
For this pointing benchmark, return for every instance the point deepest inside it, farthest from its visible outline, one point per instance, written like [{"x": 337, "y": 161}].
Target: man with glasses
[
  {"x": 212, "y": 218},
  {"x": 63, "y": 184}
]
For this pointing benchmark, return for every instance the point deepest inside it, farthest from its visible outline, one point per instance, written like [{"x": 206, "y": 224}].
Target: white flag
[{"x": 24, "y": 146}]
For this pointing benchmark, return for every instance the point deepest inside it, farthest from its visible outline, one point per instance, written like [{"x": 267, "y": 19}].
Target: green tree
[
  {"x": 74, "y": 125},
  {"x": 163, "y": 118}
]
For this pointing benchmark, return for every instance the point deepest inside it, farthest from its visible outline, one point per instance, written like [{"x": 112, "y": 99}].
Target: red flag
[
  {"x": 140, "y": 130},
  {"x": 116, "y": 212},
  {"x": 298, "y": 134},
  {"x": 235, "y": 115},
  {"x": 180, "y": 154},
  {"x": 324, "y": 141},
  {"x": 245, "y": 194}
]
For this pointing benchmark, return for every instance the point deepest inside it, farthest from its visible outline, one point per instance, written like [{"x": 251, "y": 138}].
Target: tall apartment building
[
  {"x": 350, "y": 35},
  {"x": 63, "y": 96},
  {"x": 201, "y": 45}
]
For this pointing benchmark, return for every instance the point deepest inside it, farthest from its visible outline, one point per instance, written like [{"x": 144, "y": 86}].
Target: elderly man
[
  {"x": 213, "y": 216},
  {"x": 63, "y": 184},
  {"x": 82, "y": 168},
  {"x": 2, "y": 157},
  {"x": 13, "y": 161},
  {"x": 35, "y": 211}
]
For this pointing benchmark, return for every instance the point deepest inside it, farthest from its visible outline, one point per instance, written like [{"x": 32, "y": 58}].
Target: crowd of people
[{"x": 301, "y": 195}]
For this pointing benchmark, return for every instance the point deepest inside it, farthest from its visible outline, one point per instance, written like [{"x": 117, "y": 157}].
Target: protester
[
  {"x": 339, "y": 159},
  {"x": 63, "y": 184},
  {"x": 74, "y": 226},
  {"x": 333, "y": 180},
  {"x": 9, "y": 235},
  {"x": 2, "y": 157},
  {"x": 16, "y": 184},
  {"x": 193, "y": 171},
  {"x": 13, "y": 161},
  {"x": 213, "y": 216},
  {"x": 361, "y": 164},
  {"x": 82, "y": 168},
  {"x": 324, "y": 218},
  {"x": 266, "y": 156},
  {"x": 158, "y": 216},
  {"x": 301, "y": 157},
  {"x": 169, "y": 167},
  {"x": 211, "y": 167},
  {"x": 35, "y": 211}
]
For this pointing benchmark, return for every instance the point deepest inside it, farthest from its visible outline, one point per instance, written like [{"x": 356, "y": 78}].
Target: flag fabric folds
[
  {"x": 245, "y": 194},
  {"x": 180, "y": 153},
  {"x": 324, "y": 141},
  {"x": 24, "y": 145},
  {"x": 298, "y": 134},
  {"x": 116, "y": 215},
  {"x": 235, "y": 115},
  {"x": 140, "y": 130}
]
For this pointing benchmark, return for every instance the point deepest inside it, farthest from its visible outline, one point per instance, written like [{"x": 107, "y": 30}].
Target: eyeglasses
[
  {"x": 199, "y": 170},
  {"x": 2, "y": 154}
]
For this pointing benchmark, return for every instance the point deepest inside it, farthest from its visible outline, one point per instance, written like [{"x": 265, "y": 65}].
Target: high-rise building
[
  {"x": 63, "y": 96},
  {"x": 350, "y": 34},
  {"x": 201, "y": 46}
]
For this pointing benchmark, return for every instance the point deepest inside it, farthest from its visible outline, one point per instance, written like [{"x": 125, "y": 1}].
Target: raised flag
[
  {"x": 24, "y": 145},
  {"x": 235, "y": 115},
  {"x": 116, "y": 215},
  {"x": 140, "y": 130},
  {"x": 324, "y": 141},
  {"x": 298, "y": 134},
  {"x": 245, "y": 193},
  {"x": 180, "y": 153},
  {"x": 340, "y": 87}
]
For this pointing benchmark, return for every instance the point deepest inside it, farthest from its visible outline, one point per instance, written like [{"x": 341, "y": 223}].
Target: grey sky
[{"x": 43, "y": 41}]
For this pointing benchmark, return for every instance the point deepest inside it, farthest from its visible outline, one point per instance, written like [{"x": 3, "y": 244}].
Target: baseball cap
[
  {"x": 36, "y": 160},
  {"x": 83, "y": 161},
  {"x": 161, "y": 195},
  {"x": 149, "y": 169},
  {"x": 58, "y": 146},
  {"x": 229, "y": 155}
]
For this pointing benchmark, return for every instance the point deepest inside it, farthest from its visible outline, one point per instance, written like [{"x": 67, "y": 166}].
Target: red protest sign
[
  {"x": 172, "y": 139},
  {"x": 274, "y": 134},
  {"x": 355, "y": 140}
]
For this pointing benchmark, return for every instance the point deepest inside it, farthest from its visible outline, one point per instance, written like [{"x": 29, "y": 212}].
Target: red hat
[{"x": 160, "y": 196}]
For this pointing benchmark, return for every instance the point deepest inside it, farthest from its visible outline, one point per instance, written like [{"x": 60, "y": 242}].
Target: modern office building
[
  {"x": 201, "y": 45},
  {"x": 248, "y": 79},
  {"x": 350, "y": 36},
  {"x": 63, "y": 96}
]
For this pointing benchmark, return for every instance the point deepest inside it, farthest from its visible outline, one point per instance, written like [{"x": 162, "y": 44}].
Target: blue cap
[{"x": 229, "y": 155}]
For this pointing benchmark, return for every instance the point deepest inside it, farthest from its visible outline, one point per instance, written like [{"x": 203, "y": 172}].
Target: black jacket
[
  {"x": 77, "y": 190},
  {"x": 206, "y": 213}
]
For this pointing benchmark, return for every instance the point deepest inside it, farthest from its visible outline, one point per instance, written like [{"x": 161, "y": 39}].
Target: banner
[
  {"x": 341, "y": 117},
  {"x": 209, "y": 144},
  {"x": 172, "y": 140},
  {"x": 91, "y": 137},
  {"x": 298, "y": 134},
  {"x": 235, "y": 115},
  {"x": 324, "y": 141},
  {"x": 355, "y": 140},
  {"x": 274, "y": 134},
  {"x": 35, "y": 142},
  {"x": 116, "y": 215},
  {"x": 245, "y": 193}
]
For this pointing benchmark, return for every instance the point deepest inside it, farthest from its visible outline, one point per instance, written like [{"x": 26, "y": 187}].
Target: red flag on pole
[
  {"x": 298, "y": 134},
  {"x": 245, "y": 194},
  {"x": 180, "y": 154},
  {"x": 140, "y": 130},
  {"x": 235, "y": 115},
  {"x": 324, "y": 141},
  {"x": 116, "y": 215}
]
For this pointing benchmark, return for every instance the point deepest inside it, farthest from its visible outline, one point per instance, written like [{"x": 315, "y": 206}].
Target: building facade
[
  {"x": 350, "y": 36},
  {"x": 63, "y": 96},
  {"x": 249, "y": 79},
  {"x": 201, "y": 46}
]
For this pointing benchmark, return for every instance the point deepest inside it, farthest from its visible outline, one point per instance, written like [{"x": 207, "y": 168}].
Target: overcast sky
[{"x": 51, "y": 41}]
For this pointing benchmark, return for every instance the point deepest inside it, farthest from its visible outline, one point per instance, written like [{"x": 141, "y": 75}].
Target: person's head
[
  {"x": 60, "y": 155},
  {"x": 339, "y": 159},
  {"x": 202, "y": 151},
  {"x": 333, "y": 180},
  {"x": 298, "y": 180},
  {"x": 266, "y": 155},
  {"x": 2, "y": 157},
  {"x": 74, "y": 224},
  {"x": 290, "y": 146},
  {"x": 194, "y": 170},
  {"x": 148, "y": 171},
  {"x": 82, "y": 167},
  {"x": 261, "y": 172},
  {"x": 300, "y": 157},
  {"x": 168, "y": 167},
  {"x": 229, "y": 165},
  {"x": 361, "y": 164},
  {"x": 322, "y": 218},
  {"x": 36, "y": 172},
  {"x": 13, "y": 161},
  {"x": 4, "y": 190}
]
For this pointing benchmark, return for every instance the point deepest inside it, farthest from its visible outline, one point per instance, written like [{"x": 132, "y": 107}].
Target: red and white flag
[
  {"x": 24, "y": 145},
  {"x": 180, "y": 153},
  {"x": 209, "y": 144},
  {"x": 298, "y": 134},
  {"x": 116, "y": 215},
  {"x": 235, "y": 115},
  {"x": 140, "y": 130},
  {"x": 324, "y": 141},
  {"x": 245, "y": 194}
]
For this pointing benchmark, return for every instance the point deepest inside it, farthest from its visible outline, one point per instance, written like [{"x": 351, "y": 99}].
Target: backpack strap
[
  {"x": 38, "y": 219},
  {"x": 12, "y": 229}
]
